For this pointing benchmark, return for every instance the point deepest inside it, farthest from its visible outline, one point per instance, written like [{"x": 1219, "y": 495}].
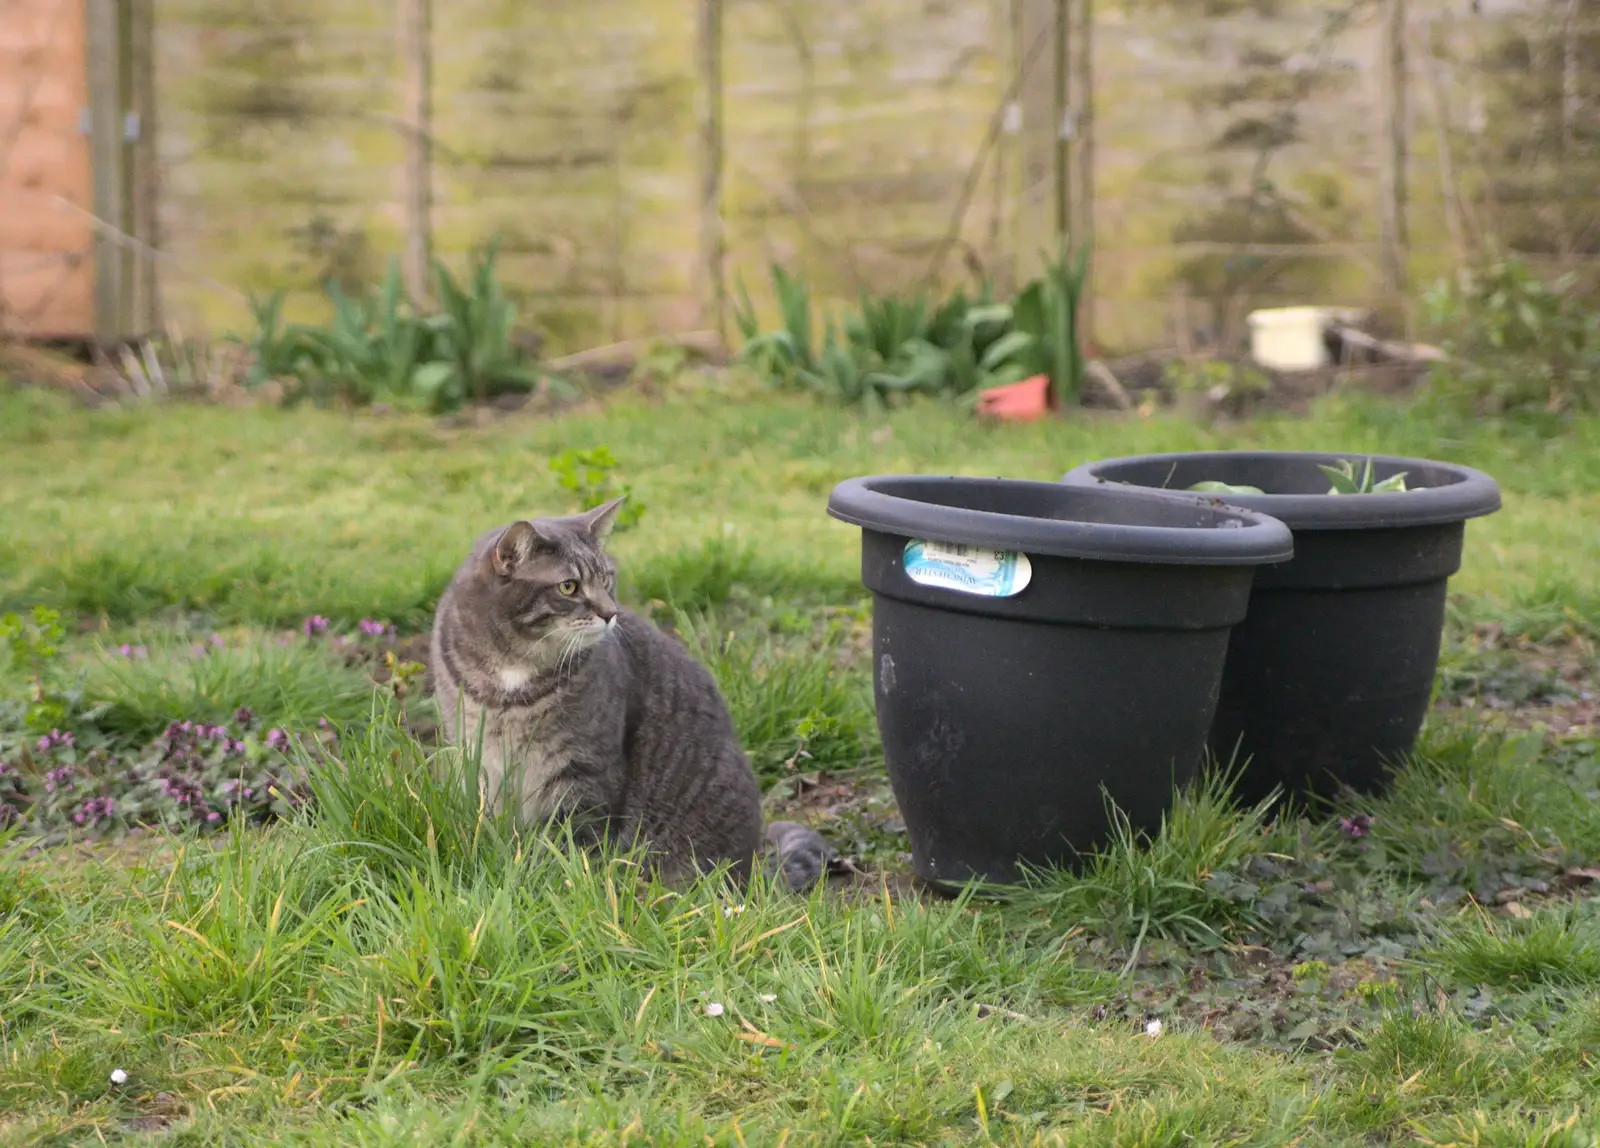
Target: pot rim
[
  {"x": 1473, "y": 496},
  {"x": 870, "y": 503}
]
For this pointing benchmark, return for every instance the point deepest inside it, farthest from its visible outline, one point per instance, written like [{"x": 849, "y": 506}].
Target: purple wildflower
[
  {"x": 314, "y": 626},
  {"x": 216, "y": 640},
  {"x": 59, "y": 778},
  {"x": 244, "y": 717},
  {"x": 213, "y": 817},
  {"x": 53, "y": 739},
  {"x": 235, "y": 746},
  {"x": 1357, "y": 826},
  {"x": 278, "y": 740},
  {"x": 373, "y": 628},
  {"x": 183, "y": 792},
  {"x": 180, "y": 740},
  {"x": 132, "y": 652},
  {"x": 95, "y": 810}
]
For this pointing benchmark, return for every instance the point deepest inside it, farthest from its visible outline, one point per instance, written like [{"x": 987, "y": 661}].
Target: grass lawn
[{"x": 360, "y": 958}]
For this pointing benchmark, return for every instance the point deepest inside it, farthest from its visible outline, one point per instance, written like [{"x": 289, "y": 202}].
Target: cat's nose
[{"x": 605, "y": 612}]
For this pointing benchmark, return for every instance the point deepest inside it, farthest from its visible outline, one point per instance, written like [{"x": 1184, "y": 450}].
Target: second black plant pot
[
  {"x": 1037, "y": 648},
  {"x": 1330, "y": 675}
]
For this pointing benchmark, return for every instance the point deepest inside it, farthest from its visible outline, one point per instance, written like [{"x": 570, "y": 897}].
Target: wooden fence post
[
  {"x": 1083, "y": 191},
  {"x": 1393, "y": 233},
  {"x": 105, "y": 158},
  {"x": 710, "y": 279},
  {"x": 416, "y": 50},
  {"x": 1061, "y": 111},
  {"x": 144, "y": 305}
]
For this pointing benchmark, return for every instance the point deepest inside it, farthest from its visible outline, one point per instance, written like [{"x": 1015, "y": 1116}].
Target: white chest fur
[
  {"x": 514, "y": 678},
  {"x": 515, "y": 764}
]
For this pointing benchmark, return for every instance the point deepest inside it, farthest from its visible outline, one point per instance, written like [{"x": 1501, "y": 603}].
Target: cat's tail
[{"x": 801, "y": 853}]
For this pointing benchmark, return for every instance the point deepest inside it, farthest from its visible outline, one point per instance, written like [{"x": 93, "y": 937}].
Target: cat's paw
[{"x": 803, "y": 855}]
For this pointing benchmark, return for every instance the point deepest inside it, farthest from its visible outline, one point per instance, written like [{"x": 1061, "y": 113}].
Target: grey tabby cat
[{"x": 589, "y": 713}]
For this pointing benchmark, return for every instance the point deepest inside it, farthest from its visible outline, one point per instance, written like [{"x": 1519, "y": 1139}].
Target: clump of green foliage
[
  {"x": 1346, "y": 480},
  {"x": 1517, "y": 342},
  {"x": 588, "y": 475},
  {"x": 31, "y": 642},
  {"x": 1345, "y": 477},
  {"x": 1218, "y": 380},
  {"x": 381, "y": 347},
  {"x": 894, "y": 347}
]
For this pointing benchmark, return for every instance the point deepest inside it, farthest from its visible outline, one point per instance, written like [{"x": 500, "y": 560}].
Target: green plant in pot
[
  {"x": 1329, "y": 676},
  {"x": 1346, "y": 480}
]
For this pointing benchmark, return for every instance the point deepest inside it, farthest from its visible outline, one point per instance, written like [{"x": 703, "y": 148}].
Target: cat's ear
[
  {"x": 514, "y": 547},
  {"x": 597, "y": 523}
]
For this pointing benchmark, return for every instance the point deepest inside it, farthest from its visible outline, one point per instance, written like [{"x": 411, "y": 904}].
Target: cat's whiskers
[
  {"x": 569, "y": 655},
  {"x": 577, "y": 642},
  {"x": 534, "y": 652}
]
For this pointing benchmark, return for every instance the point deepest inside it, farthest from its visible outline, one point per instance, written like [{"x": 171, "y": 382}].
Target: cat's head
[{"x": 549, "y": 581}]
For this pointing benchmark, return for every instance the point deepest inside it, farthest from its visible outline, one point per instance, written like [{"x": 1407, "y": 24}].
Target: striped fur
[{"x": 587, "y": 712}]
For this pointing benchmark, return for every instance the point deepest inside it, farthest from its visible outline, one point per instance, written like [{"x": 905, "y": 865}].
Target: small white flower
[
  {"x": 732, "y": 910},
  {"x": 1152, "y": 1027},
  {"x": 118, "y": 1076},
  {"x": 713, "y": 1009},
  {"x": 767, "y": 998}
]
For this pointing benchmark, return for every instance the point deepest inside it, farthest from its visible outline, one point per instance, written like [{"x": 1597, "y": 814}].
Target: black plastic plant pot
[
  {"x": 1037, "y": 648},
  {"x": 1330, "y": 675}
]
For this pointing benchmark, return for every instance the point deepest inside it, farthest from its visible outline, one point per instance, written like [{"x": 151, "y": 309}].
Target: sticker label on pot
[{"x": 968, "y": 569}]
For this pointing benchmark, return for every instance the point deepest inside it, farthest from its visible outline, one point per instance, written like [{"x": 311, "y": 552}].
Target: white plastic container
[{"x": 1289, "y": 338}]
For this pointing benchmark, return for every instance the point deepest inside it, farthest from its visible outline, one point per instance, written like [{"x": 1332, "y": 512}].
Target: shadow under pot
[
  {"x": 1038, "y": 649},
  {"x": 1329, "y": 676}
]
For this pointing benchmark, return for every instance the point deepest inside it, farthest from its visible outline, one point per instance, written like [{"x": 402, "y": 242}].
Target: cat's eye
[{"x": 567, "y": 589}]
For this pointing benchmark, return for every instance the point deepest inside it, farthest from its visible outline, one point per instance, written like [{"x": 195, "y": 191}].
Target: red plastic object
[{"x": 1029, "y": 399}]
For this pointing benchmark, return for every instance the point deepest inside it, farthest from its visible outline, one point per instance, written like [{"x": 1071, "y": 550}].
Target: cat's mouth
[{"x": 593, "y": 630}]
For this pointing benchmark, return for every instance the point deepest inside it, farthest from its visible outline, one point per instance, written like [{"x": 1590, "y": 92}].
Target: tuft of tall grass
[
  {"x": 237, "y": 580},
  {"x": 1430, "y": 1057},
  {"x": 705, "y": 577},
  {"x": 1142, "y": 887},
  {"x": 383, "y": 802},
  {"x": 1554, "y": 948},
  {"x": 792, "y": 705},
  {"x": 1471, "y": 797},
  {"x": 239, "y": 939},
  {"x": 293, "y": 685}
]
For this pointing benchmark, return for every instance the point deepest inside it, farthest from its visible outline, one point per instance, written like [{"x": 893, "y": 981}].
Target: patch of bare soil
[{"x": 1143, "y": 378}]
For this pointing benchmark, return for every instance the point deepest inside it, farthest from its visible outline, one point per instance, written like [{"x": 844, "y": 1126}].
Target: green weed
[
  {"x": 792, "y": 705},
  {"x": 1179, "y": 885},
  {"x": 292, "y": 685},
  {"x": 1554, "y": 948}
]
